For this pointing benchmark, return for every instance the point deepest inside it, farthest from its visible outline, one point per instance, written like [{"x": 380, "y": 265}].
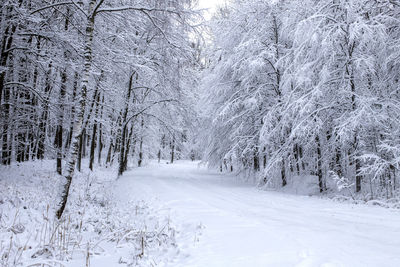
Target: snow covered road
[{"x": 247, "y": 227}]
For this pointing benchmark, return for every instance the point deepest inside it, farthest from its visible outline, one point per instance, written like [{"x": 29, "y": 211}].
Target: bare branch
[
  {"x": 30, "y": 88},
  {"x": 146, "y": 108},
  {"x": 141, "y": 9},
  {"x": 96, "y": 8},
  {"x": 52, "y": 6},
  {"x": 59, "y": 4},
  {"x": 158, "y": 28}
]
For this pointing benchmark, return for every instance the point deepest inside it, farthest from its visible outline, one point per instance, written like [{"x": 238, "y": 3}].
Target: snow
[
  {"x": 302, "y": 185},
  {"x": 95, "y": 229},
  {"x": 189, "y": 216},
  {"x": 228, "y": 223}
]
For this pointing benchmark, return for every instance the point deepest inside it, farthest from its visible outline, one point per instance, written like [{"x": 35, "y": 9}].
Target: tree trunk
[
  {"x": 173, "y": 150},
  {"x": 34, "y": 103},
  {"x": 358, "y": 175},
  {"x": 140, "y": 161},
  {"x": 93, "y": 146},
  {"x": 75, "y": 89},
  {"x": 100, "y": 145},
  {"x": 100, "y": 132},
  {"x": 264, "y": 157},
  {"x": 296, "y": 158},
  {"x": 122, "y": 153},
  {"x": 58, "y": 142},
  {"x": 110, "y": 148},
  {"x": 5, "y": 52},
  {"x": 77, "y": 130},
  {"x": 122, "y": 166},
  {"x": 6, "y": 45},
  {"x": 353, "y": 156},
  {"x": 80, "y": 149},
  {"x": 140, "y": 152},
  {"x": 94, "y": 134},
  {"x": 6, "y": 152},
  {"x": 84, "y": 140},
  {"x": 338, "y": 161},
  {"x": 319, "y": 165},
  {"x": 283, "y": 173},
  {"x": 22, "y": 97},
  {"x": 45, "y": 115},
  {"x": 128, "y": 147},
  {"x": 256, "y": 160}
]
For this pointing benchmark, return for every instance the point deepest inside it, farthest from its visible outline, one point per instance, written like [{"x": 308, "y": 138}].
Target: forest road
[{"x": 239, "y": 225}]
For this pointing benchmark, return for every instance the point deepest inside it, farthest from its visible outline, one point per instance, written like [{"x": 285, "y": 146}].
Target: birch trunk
[{"x": 77, "y": 129}]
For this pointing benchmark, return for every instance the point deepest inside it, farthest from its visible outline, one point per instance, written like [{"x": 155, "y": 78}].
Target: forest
[
  {"x": 307, "y": 89},
  {"x": 289, "y": 96}
]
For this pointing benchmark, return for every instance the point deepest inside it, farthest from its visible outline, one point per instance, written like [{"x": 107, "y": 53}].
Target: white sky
[{"x": 211, "y": 5}]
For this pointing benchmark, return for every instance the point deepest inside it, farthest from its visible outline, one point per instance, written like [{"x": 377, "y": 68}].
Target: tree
[{"x": 303, "y": 86}]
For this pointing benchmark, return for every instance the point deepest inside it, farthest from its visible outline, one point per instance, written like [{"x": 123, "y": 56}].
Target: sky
[{"x": 211, "y": 5}]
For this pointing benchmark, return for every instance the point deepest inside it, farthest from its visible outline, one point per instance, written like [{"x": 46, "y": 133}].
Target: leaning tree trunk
[{"x": 77, "y": 130}]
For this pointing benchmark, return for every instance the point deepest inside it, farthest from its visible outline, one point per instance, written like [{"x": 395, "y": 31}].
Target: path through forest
[{"x": 239, "y": 225}]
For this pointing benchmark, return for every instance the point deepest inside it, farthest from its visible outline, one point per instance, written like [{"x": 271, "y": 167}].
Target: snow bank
[
  {"x": 94, "y": 231},
  {"x": 337, "y": 189}
]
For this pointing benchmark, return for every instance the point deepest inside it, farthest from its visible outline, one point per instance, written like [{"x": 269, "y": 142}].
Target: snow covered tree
[
  {"x": 65, "y": 70},
  {"x": 305, "y": 88}
]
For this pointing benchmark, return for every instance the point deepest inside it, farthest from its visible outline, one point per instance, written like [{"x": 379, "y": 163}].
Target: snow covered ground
[
  {"x": 227, "y": 223},
  {"x": 183, "y": 215},
  {"x": 95, "y": 230}
]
